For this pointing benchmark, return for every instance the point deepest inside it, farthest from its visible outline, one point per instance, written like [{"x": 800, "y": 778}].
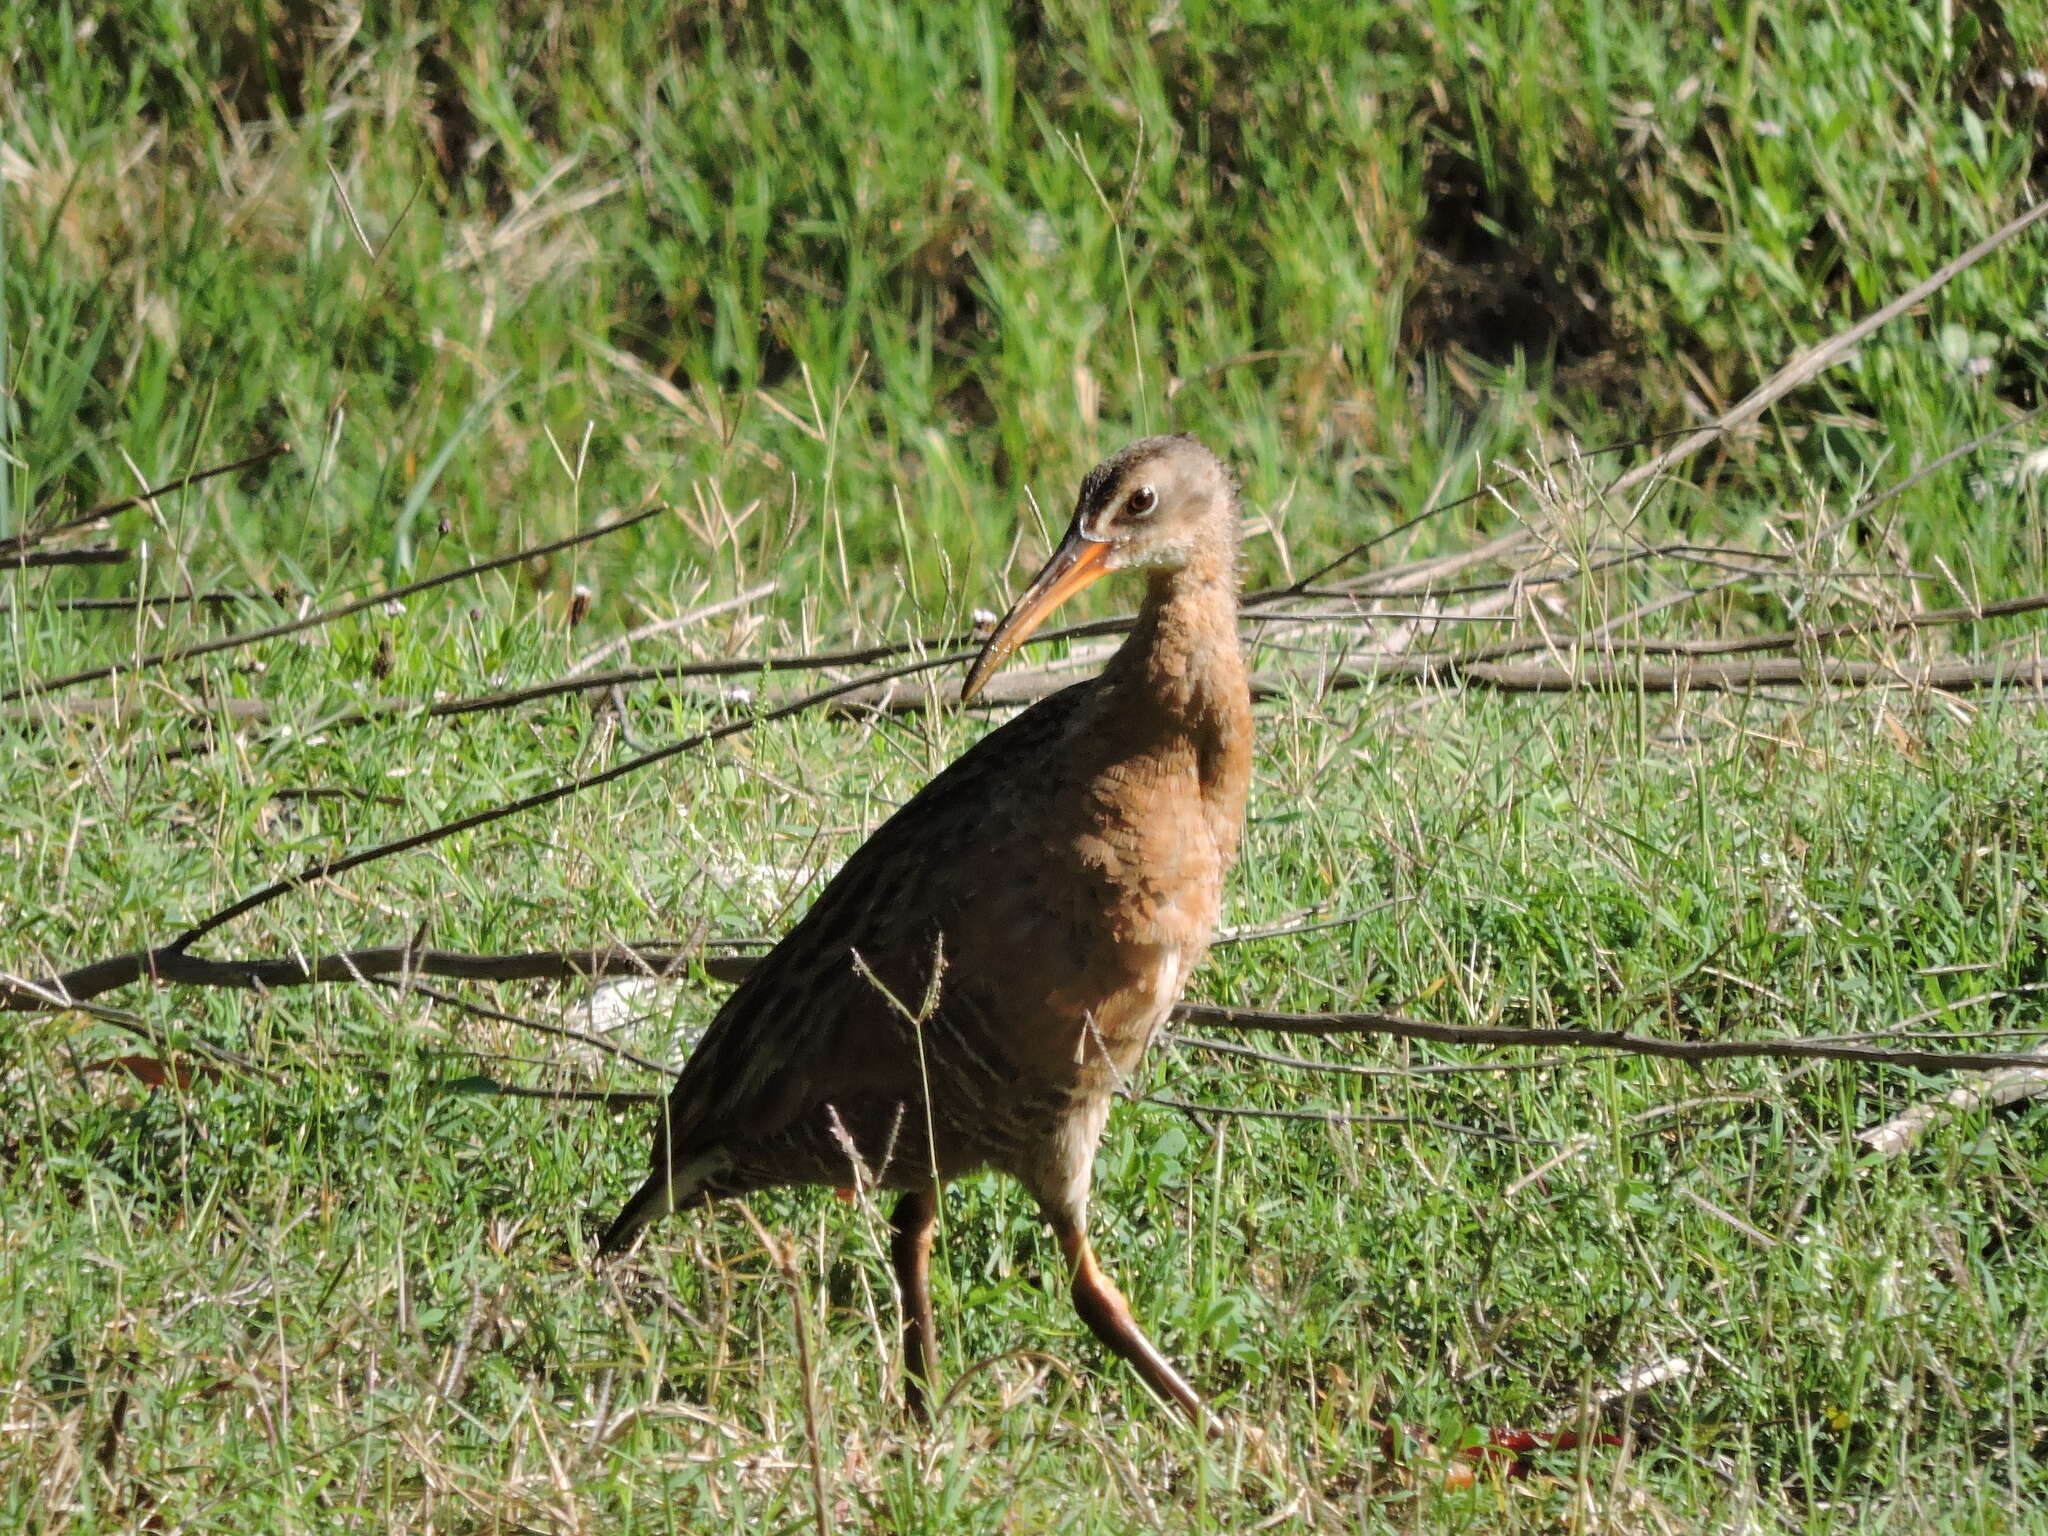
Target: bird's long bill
[{"x": 1078, "y": 561}]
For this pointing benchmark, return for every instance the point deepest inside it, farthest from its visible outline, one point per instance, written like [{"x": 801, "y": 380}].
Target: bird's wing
[{"x": 811, "y": 1023}]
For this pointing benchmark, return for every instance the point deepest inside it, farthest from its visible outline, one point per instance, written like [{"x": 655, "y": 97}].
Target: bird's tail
[
  {"x": 669, "y": 1188},
  {"x": 650, "y": 1202}
]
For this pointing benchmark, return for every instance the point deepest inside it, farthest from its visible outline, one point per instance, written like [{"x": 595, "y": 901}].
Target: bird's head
[{"x": 1164, "y": 504}]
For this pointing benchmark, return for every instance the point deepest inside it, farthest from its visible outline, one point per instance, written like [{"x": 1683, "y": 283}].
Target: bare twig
[
  {"x": 1801, "y": 370},
  {"x": 1776, "y": 640},
  {"x": 325, "y": 869},
  {"x": 1808, "y": 365},
  {"x": 1693, "y": 1052},
  {"x": 47, "y": 685},
  {"x": 2012, "y": 1086},
  {"x": 1354, "y": 1069},
  {"x": 1339, "y": 1117},
  {"x": 1437, "y": 509},
  {"x": 168, "y": 966},
  {"x": 669, "y": 625},
  {"x": 1600, "y": 674},
  {"x": 1421, "y": 667},
  {"x": 1595, "y": 673},
  {"x": 521, "y": 1021},
  {"x": 135, "y": 1024},
  {"x": 610, "y": 1098},
  {"x": 131, "y": 604},
  {"x": 1785, "y": 640},
  {"x": 29, "y": 538},
  {"x": 90, "y": 554}
]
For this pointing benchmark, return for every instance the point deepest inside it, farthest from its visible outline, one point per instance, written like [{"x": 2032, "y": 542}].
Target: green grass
[{"x": 842, "y": 288}]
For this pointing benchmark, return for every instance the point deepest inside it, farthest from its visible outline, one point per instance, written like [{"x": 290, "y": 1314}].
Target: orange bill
[{"x": 1078, "y": 562}]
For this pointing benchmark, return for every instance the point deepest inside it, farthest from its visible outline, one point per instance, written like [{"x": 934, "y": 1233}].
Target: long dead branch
[
  {"x": 1023, "y": 686},
  {"x": 1786, "y": 640},
  {"x": 166, "y": 966},
  {"x": 1776, "y": 640},
  {"x": 1196, "y": 1110},
  {"x": 1486, "y": 488},
  {"x": 137, "y": 602},
  {"x": 1601, "y": 674},
  {"x": 1358, "y": 1069},
  {"x": 324, "y": 869},
  {"x": 90, "y": 554},
  {"x": 1693, "y": 1052},
  {"x": 1801, "y": 370},
  {"x": 41, "y": 686},
  {"x": 610, "y": 1098},
  {"x": 29, "y": 538},
  {"x": 120, "y": 970},
  {"x": 1813, "y": 362},
  {"x": 1598, "y": 673}
]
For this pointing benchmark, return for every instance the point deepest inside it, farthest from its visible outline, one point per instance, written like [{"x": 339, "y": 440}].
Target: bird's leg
[
  {"x": 1108, "y": 1315},
  {"x": 910, "y": 1250}
]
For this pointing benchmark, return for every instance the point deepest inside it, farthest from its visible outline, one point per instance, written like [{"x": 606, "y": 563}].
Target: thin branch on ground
[
  {"x": 29, "y": 538},
  {"x": 41, "y": 686},
  {"x": 1354, "y": 1069},
  {"x": 1437, "y": 509},
  {"x": 1418, "y": 667},
  {"x": 1339, "y": 1117},
  {"x": 1833, "y": 531},
  {"x": 1800, "y": 370},
  {"x": 168, "y": 967},
  {"x": 670, "y": 625},
  {"x": 1595, "y": 673},
  {"x": 1601, "y": 675},
  {"x": 611, "y": 1098},
  {"x": 88, "y": 554},
  {"x": 521, "y": 1021},
  {"x": 135, "y": 1024},
  {"x": 2015, "y": 1085},
  {"x": 325, "y": 869},
  {"x": 132, "y": 604},
  {"x": 1692, "y": 1052}
]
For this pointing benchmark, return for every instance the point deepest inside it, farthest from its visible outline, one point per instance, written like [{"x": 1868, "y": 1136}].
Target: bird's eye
[{"x": 1144, "y": 501}]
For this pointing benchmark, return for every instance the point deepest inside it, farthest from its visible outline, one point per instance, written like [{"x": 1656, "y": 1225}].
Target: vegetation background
[{"x": 857, "y": 291}]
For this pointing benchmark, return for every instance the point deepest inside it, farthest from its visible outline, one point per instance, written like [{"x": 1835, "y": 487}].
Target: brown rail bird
[{"x": 987, "y": 969}]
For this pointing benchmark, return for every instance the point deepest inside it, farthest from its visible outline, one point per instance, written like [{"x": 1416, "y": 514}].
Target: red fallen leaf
[
  {"x": 157, "y": 1074},
  {"x": 1521, "y": 1441},
  {"x": 1510, "y": 1449},
  {"x": 1507, "y": 1449}
]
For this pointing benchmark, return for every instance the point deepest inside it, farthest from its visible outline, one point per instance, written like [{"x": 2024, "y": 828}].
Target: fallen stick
[
  {"x": 1597, "y": 673},
  {"x": 166, "y": 966},
  {"x": 1801, "y": 369},
  {"x": 2013, "y": 1086},
  {"x": 76, "y": 988},
  {"x": 1693, "y": 1052},
  {"x": 28, "y": 538},
  {"x": 38, "y": 687},
  {"x": 90, "y": 554}
]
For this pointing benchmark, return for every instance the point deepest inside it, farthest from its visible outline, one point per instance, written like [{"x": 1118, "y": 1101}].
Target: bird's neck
[{"x": 1182, "y": 671}]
